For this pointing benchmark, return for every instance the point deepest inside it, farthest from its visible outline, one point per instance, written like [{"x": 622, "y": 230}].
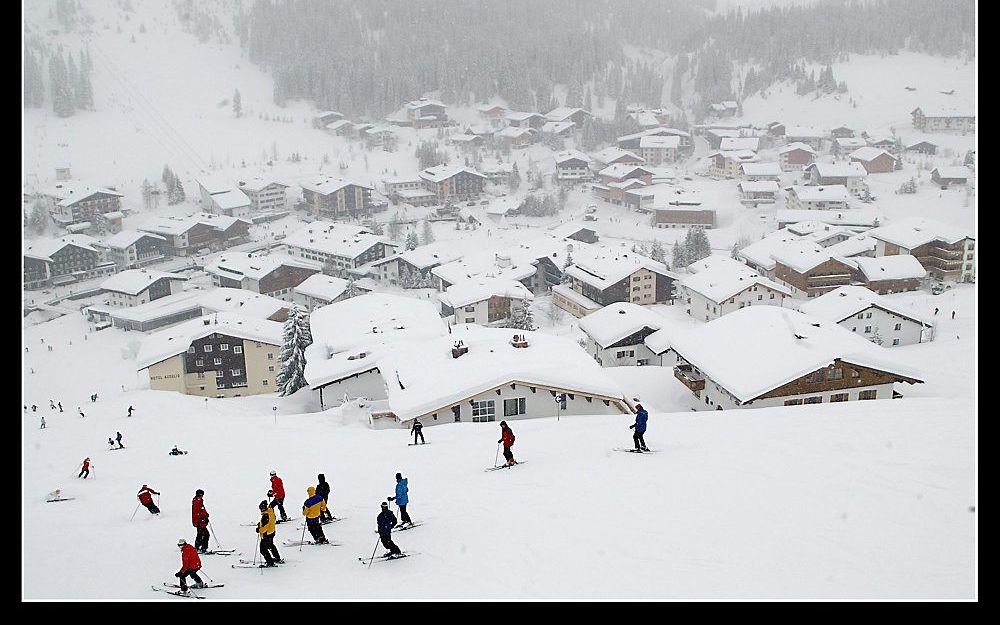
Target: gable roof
[
  {"x": 175, "y": 340},
  {"x": 838, "y": 170},
  {"x": 720, "y": 278},
  {"x": 239, "y": 266},
  {"x": 616, "y": 321},
  {"x": 126, "y": 238},
  {"x": 43, "y": 249},
  {"x": 846, "y": 301},
  {"x": 868, "y": 154},
  {"x": 913, "y": 232},
  {"x": 327, "y": 185},
  {"x": 443, "y": 172},
  {"x": 897, "y": 267},
  {"x": 820, "y": 193},
  {"x": 135, "y": 281},
  {"x": 474, "y": 290}
]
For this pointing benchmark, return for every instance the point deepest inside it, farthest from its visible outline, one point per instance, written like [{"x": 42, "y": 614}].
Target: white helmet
[
  {"x": 181, "y": 541},
  {"x": 274, "y": 472}
]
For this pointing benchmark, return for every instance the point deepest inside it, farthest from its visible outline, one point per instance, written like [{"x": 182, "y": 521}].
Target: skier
[
  {"x": 402, "y": 498},
  {"x": 130, "y": 410},
  {"x": 93, "y": 398},
  {"x": 311, "y": 509},
  {"x": 85, "y": 470},
  {"x": 59, "y": 403},
  {"x": 641, "y": 416},
  {"x": 146, "y": 498},
  {"x": 190, "y": 565},
  {"x": 34, "y": 408},
  {"x": 80, "y": 411},
  {"x": 52, "y": 405},
  {"x": 119, "y": 439},
  {"x": 323, "y": 490},
  {"x": 507, "y": 438},
  {"x": 386, "y": 521},
  {"x": 266, "y": 528},
  {"x": 111, "y": 443},
  {"x": 176, "y": 452},
  {"x": 279, "y": 494},
  {"x": 199, "y": 519},
  {"x": 43, "y": 424},
  {"x": 417, "y": 430},
  {"x": 953, "y": 314},
  {"x": 936, "y": 311}
]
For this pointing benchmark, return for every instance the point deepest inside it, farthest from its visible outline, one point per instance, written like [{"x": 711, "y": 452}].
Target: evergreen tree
[
  {"x": 84, "y": 91},
  {"x": 167, "y": 176},
  {"x": 428, "y": 233},
  {"x": 73, "y": 79},
  {"x": 970, "y": 159},
  {"x": 657, "y": 252},
  {"x": 62, "y": 94},
  {"x": 34, "y": 85},
  {"x": 514, "y": 180},
  {"x": 696, "y": 245},
  {"x": 38, "y": 219},
  {"x": 680, "y": 258},
  {"x": 411, "y": 240},
  {"x": 237, "y": 103},
  {"x": 297, "y": 337},
  {"x": 520, "y": 316}
]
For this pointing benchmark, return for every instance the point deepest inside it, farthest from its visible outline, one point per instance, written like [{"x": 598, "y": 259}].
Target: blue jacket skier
[
  {"x": 641, "y": 416},
  {"x": 402, "y": 498}
]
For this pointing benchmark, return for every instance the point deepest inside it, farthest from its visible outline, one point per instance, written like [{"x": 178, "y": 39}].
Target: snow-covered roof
[
  {"x": 338, "y": 239},
  {"x": 838, "y": 170},
  {"x": 322, "y": 287},
  {"x": 415, "y": 194},
  {"x": 740, "y": 143},
  {"x": 465, "y": 138},
  {"x": 233, "y": 198},
  {"x": 240, "y": 266},
  {"x": 487, "y": 264},
  {"x": 443, "y": 172},
  {"x": 721, "y": 278},
  {"x": 563, "y": 113},
  {"x": 652, "y": 132},
  {"x": 126, "y": 238},
  {"x": 69, "y": 192},
  {"x": 246, "y": 303},
  {"x": 340, "y": 123},
  {"x": 761, "y": 169},
  {"x": 180, "y": 225},
  {"x": 322, "y": 114},
  {"x": 735, "y": 155},
  {"x": 423, "y": 102},
  {"x": 475, "y": 290},
  {"x": 613, "y": 153},
  {"x": 911, "y": 232},
  {"x": 175, "y": 340},
  {"x": 853, "y": 246},
  {"x": 616, "y": 321},
  {"x": 759, "y": 348},
  {"x": 514, "y": 132},
  {"x": 423, "y": 377},
  {"x": 660, "y": 341},
  {"x": 43, "y": 249},
  {"x": 484, "y": 108},
  {"x": 557, "y": 127},
  {"x": 867, "y": 217},
  {"x": 627, "y": 184},
  {"x": 847, "y": 301},
  {"x": 620, "y": 170},
  {"x": 135, "y": 281},
  {"x": 851, "y": 142},
  {"x": 568, "y": 155},
  {"x": 213, "y": 184},
  {"x": 520, "y": 116},
  {"x": 326, "y": 185},
  {"x": 167, "y": 307},
  {"x": 801, "y": 255},
  {"x": 610, "y": 268},
  {"x": 426, "y": 256},
  {"x": 258, "y": 183},
  {"x": 868, "y": 153},
  {"x": 944, "y": 111},
  {"x": 897, "y": 267},
  {"x": 660, "y": 141},
  {"x": 821, "y": 193},
  {"x": 961, "y": 173},
  {"x": 760, "y": 186},
  {"x": 807, "y": 132}
]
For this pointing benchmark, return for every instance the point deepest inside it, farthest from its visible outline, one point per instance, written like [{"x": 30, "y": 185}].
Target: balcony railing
[{"x": 690, "y": 379}]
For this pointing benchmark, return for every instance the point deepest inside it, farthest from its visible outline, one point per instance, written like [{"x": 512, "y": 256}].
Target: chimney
[
  {"x": 458, "y": 349},
  {"x": 519, "y": 341}
]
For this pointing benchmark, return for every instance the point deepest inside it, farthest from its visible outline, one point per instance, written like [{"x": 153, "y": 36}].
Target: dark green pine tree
[
  {"x": 84, "y": 99},
  {"x": 62, "y": 94}
]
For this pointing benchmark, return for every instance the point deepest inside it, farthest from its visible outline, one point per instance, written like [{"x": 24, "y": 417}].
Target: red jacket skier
[
  {"x": 278, "y": 488},
  {"x": 190, "y": 565},
  {"x": 199, "y": 519},
  {"x": 146, "y": 498}
]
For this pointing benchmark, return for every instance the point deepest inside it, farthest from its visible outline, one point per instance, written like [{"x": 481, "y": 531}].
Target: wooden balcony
[{"x": 690, "y": 379}]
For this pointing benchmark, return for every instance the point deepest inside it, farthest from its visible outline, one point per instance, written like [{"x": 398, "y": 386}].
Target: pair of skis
[
  {"x": 409, "y": 526},
  {"x": 402, "y": 555},
  {"x": 327, "y": 522},
  {"x": 299, "y": 543},
  {"x": 250, "y": 564},
  {"x": 504, "y": 466},
  {"x": 636, "y": 451},
  {"x": 190, "y": 594},
  {"x": 60, "y": 499}
]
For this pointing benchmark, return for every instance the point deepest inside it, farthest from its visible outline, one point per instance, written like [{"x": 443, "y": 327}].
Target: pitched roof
[
  {"x": 474, "y": 290},
  {"x": 760, "y": 169},
  {"x": 796, "y": 145},
  {"x": 868, "y": 154},
  {"x": 660, "y": 141},
  {"x": 740, "y": 143},
  {"x": 239, "y": 266},
  {"x": 616, "y": 321},
  {"x": 613, "y": 153},
  {"x": 176, "y": 340},
  {"x": 961, "y": 173},
  {"x": 821, "y": 193},
  {"x": 898, "y": 267},
  {"x": 562, "y": 113},
  {"x": 567, "y": 155},
  {"x": 126, "y": 238},
  {"x": 326, "y": 185},
  {"x": 847, "y": 301},
  {"x": 838, "y": 170},
  {"x": 721, "y": 278},
  {"x": 334, "y": 238},
  {"x": 913, "y": 232},
  {"x": 759, "y": 186},
  {"x": 610, "y": 268},
  {"x": 135, "y": 281},
  {"x": 443, "y": 172},
  {"x": 247, "y": 303},
  {"x": 321, "y": 286},
  {"x": 43, "y": 249},
  {"x": 233, "y": 198}
]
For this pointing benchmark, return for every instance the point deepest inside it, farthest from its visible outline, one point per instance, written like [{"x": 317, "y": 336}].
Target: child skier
[
  {"x": 311, "y": 509},
  {"x": 507, "y": 438},
  {"x": 146, "y": 498},
  {"x": 190, "y": 565},
  {"x": 266, "y": 528},
  {"x": 386, "y": 521},
  {"x": 199, "y": 519},
  {"x": 641, "y": 416},
  {"x": 402, "y": 498},
  {"x": 279, "y": 494}
]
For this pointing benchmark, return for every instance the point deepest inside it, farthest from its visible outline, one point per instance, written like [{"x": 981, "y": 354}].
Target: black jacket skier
[
  {"x": 323, "y": 490},
  {"x": 417, "y": 430}
]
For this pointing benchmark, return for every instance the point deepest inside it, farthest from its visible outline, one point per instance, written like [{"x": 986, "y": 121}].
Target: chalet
[
  {"x": 850, "y": 175},
  {"x": 320, "y": 290},
  {"x": 246, "y": 303},
  {"x": 133, "y": 287},
  {"x": 450, "y": 182},
  {"x": 810, "y": 270},
  {"x": 621, "y": 172},
  {"x": 760, "y": 192},
  {"x": 947, "y": 176},
  {"x": 736, "y": 144},
  {"x": 888, "y": 143},
  {"x": 829, "y": 197},
  {"x": 412, "y": 269},
  {"x": 726, "y": 108},
  {"x": 110, "y": 222},
  {"x": 161, "y": 312},
  {"x": 632, "y": 141},
  {"x": 534, "y": 264},
  {"x": 558, "y": 129},
  {"x": 889, "y": 274},
  {"x": 341, "y": 128},
  {"x": 721, "y": 285},
  {"x": 209, "y": 186},
  {"x": 844, "y": 146},
  {"x": 336, "y": 197},
  {"x": 73, "y": 257},
  {"x": 943, "y": 120},
  {"x": 516, "y": 137},
  {"x": 425, "y": 113},
  {"x": 946, "y": 252},
  {"x": 874, "y": 160},
  {"x": 922, "y": 147},
  {"x": 520, "y": 119},
  {"x": 759, "y": 254},
  {"x": 486, "y": 301},
  {"x": 764, "y": 356},
  {"x": 714, "y": 136},
  {"x": 599, "y": 280},
  {"x": 615, "y": 335},
  {"x": 231, "y": 203},
  {"x": 572, "y": 166},
  {"x": 467, "y": 142},
  {"x": 865, "y": 313},
  {"x": 680, "y": 216},
  {"x": 340, "y": 248},
  {"x": 130, "y": 249},
  {"x": 855, "y": 219},
  {"x": 566, "y": 113},
  {"x": 813, "y": 137},
  {"x": 841, "y": 132},
  {"x": 727, "y": 164},
  {"x": 381, "y": 136},
  {"x": 323, "y": 118},
  {"x": 202, "y": 231},
  {"x": 70, "y": 203},
  {"x": 755, "y": 172},
  {"x": 265, "y": 194},
  {"x": 275, "y": 275},
  {"x": 795, "y": 156},
  {"x": 776, "y": 129},
  {"x": 615, "y": 156},
  {"x": 221, "y": 355},
  {"x": 656, "y": 149},
  {"x": 613, "y": 190},
  {"x": 491, "y": 112},
  {"x": 497, "y": 173}
]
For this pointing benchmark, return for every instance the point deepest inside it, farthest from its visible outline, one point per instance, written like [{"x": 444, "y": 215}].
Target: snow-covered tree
[
  {"x": 680, "y": 258},
  {"x": 411, "y": 240},
  {"x": 657, "y": 252},
  {"x": 237, "y": 104},
  {"x": 520, "y": 316},
  {"x": 514, "y": 179},
  {"x": 38, "y": 218},
  {"x": 696, "y": 245},
  {"x": 60, "y": 87},
  {"x": 427, "y": 236},
  {"x": 296, "y": 338}
]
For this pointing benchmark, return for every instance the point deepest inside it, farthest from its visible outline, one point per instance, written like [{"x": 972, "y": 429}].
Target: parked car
[
  {"x": 591, "y": 209},
  {"x": 589, "y": 218}
]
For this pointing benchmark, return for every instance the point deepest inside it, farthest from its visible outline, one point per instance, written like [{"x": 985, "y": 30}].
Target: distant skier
[
  {"x": 42, "y": 427},
  {"x": 118, "y": 438},
  {"x": 111, "y": 443},
  {"x": 52, "y": 405},
  {"x": 323, "y": 490},
  {"x": 953, "y": 314},
  {"x": 130, "y": 409},
  {"x": 279, "y": 494},
  {"x": 177, "y": 452},
  {"x": 311, "y": 509},
  {"x": 507, "y": 438},
  {"x": 93, "y": 398},
  {"x": 59, "y": 403},
  {"x": 80, "y": 411},
  {"x": 34, "y": 408},
  {"x": 417, "y": 430},
  {"x": 146, "y": 498},
  {"x": 85, "y": 470},
  {"x": 266, "y": 528},
  {"x": 386, "y": 521},
  {"x": 402, "y": 498},
  {"x": 190, "y": 565},
  {"x": 199, "y": 519},
  {"x": 936, "y": 311},
  {"x": 641, "y": 416}
]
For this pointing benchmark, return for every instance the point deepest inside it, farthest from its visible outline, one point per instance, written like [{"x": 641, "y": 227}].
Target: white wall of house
[
  {"x": 704, "y": 309},
  {"x": 626, "y": 356},
  {"x": 875, "y": 323},
  {"x": 369, "y": 385},
  {"x": 713, "y": 396}
]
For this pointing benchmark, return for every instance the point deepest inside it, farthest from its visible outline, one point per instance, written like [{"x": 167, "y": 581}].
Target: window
[
  {"x": 237, "y": 349},
  {"x": 237, "y": 371},
  {"x": 868, "y": 329},
  {"x": 854, "y": 329},
  {"x": 200, "y": 362},
  {"x": 208, "y": 348},
  {"x": 838, "y": 397},
  {"x": 772, "y": 295},
  {"x": 483, "y": 411},
  {"x": 793, "y": 402},
  {"x": 760, "y": 298},
  {"x": 835, "y": 374},
  {"x": 264, "y": 382},
  {"x": 270, "y": 355},
  {"x": 816, "y": 376},
  {"x": 861, "y": 315},
  {"x": 514, "y": 407},
  {"x": 868, "y": 315},
  {"x": 813, "y": 400},
  {"x": 635, "y": 279},
  {"x": 217, "y": 361},
  {"x": 628, "y": 353},
  {"x": 219, "y": 373},
  {"x": 867, "y": 394},
  {"x": 470, "y": 309},
  {"x": 191, "y": 349},
  {"x": 201, "y": 375},
  {"x": 224, "y": 347},
  {"x": 855, "y": 373},
  {"x": 635, "y": 288},
  {"x": 895, "y": 341},
  {"x": 899, "y": 326}
]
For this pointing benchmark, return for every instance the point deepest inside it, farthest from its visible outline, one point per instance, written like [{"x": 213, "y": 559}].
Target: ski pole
[
  {"x": 373, "y": 552},
  {"x": 303, "y": 538},
  {"x": 202, "y": 570},
  {"x": 214, "y": 535},
  {"x": 256, "y": 548},
  {"x": 497, "y": 457},
  {"x": 133, "y": 512}
]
